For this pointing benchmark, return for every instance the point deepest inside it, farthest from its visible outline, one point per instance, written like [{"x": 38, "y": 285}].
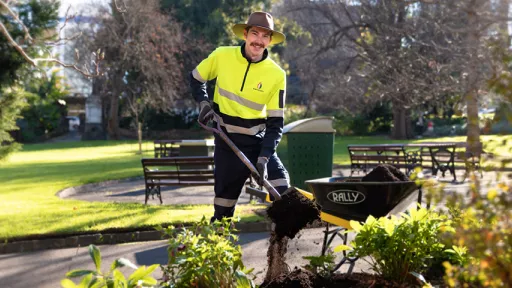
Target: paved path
[
  {"x": 133, "y": 191},
  {"x": 46, "y": 268}
]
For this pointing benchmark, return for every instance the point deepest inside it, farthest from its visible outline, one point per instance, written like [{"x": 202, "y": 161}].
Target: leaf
[
  {"x": 356, "y": 226},
  {"x": 118, "y": 276},
  {"x": 491, "y": 194},
  {"x": 95, "y": 283},
  {"x": 242, "y": 281},
  {"x": 419, "y": 277},
  {"x": 79, "y": 273},
  {"x": 66, "y": 283},
  {"x": 96, "y": 256},
  {"x": 370, "y": 220},
  {"x": 122, "y": 262},
  {"x": 88, "y": 281},
  {"x": 342, "y": 247},
  {"x": 142, "y": 272},
  {"x": 389, "y": 227},
  {"x": 148, "y": 280}
]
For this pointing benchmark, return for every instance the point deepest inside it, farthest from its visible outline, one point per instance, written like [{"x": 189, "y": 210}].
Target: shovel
[{"x": 291, "y": 211}]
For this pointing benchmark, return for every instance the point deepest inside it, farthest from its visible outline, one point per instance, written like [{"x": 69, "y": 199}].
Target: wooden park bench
[
  {"x": 176, "y": 171},
  {"x": 366, "y": 157}
]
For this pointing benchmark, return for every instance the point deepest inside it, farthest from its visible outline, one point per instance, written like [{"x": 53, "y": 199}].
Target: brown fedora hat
[{"x": 263, "y": 20}]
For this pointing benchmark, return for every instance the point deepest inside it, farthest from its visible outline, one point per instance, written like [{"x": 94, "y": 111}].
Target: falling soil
[
  {"x": 292, "y": 213},
  {"x": 385, "y": 173},
  {"x": 276, "y": 257},
  {"x": 306, "y": 279}
]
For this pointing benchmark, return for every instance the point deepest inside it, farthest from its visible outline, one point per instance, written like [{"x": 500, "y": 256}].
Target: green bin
[{"x": 306, "y": 149}]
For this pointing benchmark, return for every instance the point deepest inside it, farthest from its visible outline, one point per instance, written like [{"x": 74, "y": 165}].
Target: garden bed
[{"x": 306, "y": 279}]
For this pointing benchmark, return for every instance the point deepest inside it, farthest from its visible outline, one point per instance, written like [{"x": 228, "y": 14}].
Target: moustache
[{"x": 257, "y": 45}]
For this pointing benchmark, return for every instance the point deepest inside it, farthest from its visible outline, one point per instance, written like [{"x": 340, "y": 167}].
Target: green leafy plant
[
  {"x": 322, "y": 265},
  {"x": 113, "y": 278},
  {"x": 205, "y": 256},
  {"x": 400, "y": 245},
  {"x": 458, "y": 255}
]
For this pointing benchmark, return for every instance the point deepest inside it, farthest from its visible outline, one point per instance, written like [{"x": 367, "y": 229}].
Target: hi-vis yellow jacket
[{"x": 249, "y": 96}]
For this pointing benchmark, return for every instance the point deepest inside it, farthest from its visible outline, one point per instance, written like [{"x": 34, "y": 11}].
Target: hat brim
[{"x": 277, "y": 37}]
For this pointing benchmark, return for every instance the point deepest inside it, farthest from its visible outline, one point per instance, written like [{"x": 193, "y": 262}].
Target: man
[{"x": 249, "y": 97}]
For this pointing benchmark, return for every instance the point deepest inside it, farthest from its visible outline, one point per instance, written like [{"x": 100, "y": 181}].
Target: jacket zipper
[{"x": 245, "y": 76}]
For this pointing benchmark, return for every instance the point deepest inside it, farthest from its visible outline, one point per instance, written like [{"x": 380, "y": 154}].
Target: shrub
[
  {"x": 205, "y": 256},
  {"x": 296, "y": 112},
  {"x": 375, "y": 121},
  {"x": 399, "y": 246},
  {"x": 485, "y": 227}
]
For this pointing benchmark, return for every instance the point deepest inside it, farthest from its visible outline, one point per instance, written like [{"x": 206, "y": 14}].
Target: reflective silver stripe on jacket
[
  {"x": 275, "y": 113},
  {"x": 224, "y": 202},
  {"x": 243, "y": 130},
  {"x": 279, "y": 182},
  {"x": 240, "y": 100},
  {"x": 197, "y": 76}
]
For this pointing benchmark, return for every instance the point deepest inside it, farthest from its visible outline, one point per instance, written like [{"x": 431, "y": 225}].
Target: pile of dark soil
[
  {"x": 306, "y": 279},
  {"x": 292, "y": 213},
  {"x": 385, "y": 173}
]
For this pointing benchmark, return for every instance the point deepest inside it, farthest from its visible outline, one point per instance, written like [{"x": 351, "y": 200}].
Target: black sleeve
[
  {"x": 198, "y": 89},
  {"x": 273, "y": 134}
]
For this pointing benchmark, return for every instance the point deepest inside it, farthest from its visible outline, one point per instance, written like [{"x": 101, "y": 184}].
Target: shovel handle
[{"x": 240, "y": 155}]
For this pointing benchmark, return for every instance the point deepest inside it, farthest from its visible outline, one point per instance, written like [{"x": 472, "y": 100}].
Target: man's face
[{"x": 257, "y": 39}]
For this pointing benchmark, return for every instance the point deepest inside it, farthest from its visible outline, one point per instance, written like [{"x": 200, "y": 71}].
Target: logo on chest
[{"x": 259, "y": 87}]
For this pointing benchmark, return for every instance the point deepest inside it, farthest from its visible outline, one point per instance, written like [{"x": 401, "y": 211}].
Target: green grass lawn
[{"x": 31, "y": 178}]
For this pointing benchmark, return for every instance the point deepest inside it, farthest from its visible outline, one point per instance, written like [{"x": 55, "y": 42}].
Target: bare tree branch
[
  {"x": 85, "y": 71},
  {"x": 63, "y": 40},
  {"x": 120, "y": 9},
  {"x": 17, "y": 19}
]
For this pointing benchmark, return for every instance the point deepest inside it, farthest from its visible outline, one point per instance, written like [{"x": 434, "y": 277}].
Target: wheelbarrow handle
[{"x": 247, "y": 162}]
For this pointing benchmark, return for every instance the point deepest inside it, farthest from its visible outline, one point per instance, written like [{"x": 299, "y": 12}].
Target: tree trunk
[
  {"x": 139, "y": 134},
  {"x": 402, "y": 128},
  {"x": 311, "y": 98},
  {"x": 471, "y": 97},
  {"x": 113, "y": 117}
]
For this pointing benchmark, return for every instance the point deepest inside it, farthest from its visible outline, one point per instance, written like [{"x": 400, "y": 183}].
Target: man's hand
[
  {"x": 206, "y": 112},
  {"x": 261, "y": 166}
]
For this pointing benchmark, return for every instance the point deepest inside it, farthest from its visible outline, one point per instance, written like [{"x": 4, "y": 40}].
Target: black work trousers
[{"x": 231, "y": 174}]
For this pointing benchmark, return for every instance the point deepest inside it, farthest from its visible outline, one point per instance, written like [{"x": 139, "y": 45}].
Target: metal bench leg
[
  {"x": 159, "y": 194},
  {"x": 147, "y": 195}
]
